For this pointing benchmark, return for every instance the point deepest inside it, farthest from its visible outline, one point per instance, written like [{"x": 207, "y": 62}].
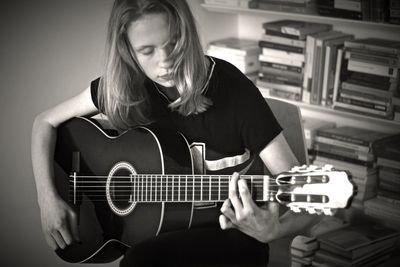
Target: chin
[{"x": 167, "y": 83}]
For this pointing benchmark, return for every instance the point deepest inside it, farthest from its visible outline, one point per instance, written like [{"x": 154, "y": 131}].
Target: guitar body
[{"x": 104, "y": 233}]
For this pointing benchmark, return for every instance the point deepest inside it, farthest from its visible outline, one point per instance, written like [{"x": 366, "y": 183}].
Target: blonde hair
[{"x": 122, "y": 94}]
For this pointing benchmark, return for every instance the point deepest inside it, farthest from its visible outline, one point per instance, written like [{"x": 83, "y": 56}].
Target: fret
[
  {"x": 219, "y": 188},
  {"x": 172, "y": 193},
  {"x": 134, "y": 188},
  {"x": 147, "y": 181},
  {"x": 206, "y": 188},
  {"x": 210, "y": 186},
  {"x": 196, "y": 186},
  {"x": 201, "y": 188},
  {"x": 151, "y": 188},
  {"x": 166, "y": 188},
  {"x": 224, "y": 187},
  {"x": 155, "y": 189},
  {"x": 186, "y": 186},
  {"x": 141, "y": 181},
  {"x": 179, "y": 188}
]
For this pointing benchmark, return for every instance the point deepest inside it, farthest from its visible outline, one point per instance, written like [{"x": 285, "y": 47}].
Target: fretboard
[{"x": 194, "y": 188}]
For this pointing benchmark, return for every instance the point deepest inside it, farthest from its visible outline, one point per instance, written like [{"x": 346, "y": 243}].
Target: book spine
[
  {"x": 274, "y": 71},
  {"x": 347, "y": 85},
  {"x": 338, "y": 68},
  {"x": 359, "y": 66},
  {"x": 287, "y": 48},
  {"x": 222, "y": 2},
  {"x": 340, "y": 143},
  {"x": 288, "y": 80},
  {"x": 358, "y": 45},
  {"x": 341, "y": 151},
  {"x": 282, "y": 87},
  {"x": 363, "y": 110},
  {"x": 326, "y": 76},
  {"x": 282, "y": 61},
  {"x": 368, "y": 58},
  {"x": 310, "y": 45},
  {"x": 365, "y": 104},
  {"x": 283, "y": 41},
  {"x": 364, "y": 97},
  {"x": 234, "y": 51},
  {"x": 282, "y": 54},
  {"x": 285, "y": 8},
  {"x": 283, "y": 67}
]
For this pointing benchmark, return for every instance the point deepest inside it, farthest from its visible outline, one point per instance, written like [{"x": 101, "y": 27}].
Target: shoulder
[{"x": 228, "y": 82}]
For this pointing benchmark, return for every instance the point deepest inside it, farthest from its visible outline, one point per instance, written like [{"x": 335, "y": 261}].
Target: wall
[{"x": 50, "y": 50}]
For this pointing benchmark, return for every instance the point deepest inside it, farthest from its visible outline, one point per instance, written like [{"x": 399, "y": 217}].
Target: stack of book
[
  {"x": 358, "y": 245},
  {"x": 370, "y": 10},
  {"x": 293, "y": 6},
  {"x": 321, "y": 51},
  {"x": 368, "y": 78},
  {"x": 242, "y": 53},
  {"x": 228, "y": 3},
  {"x": 394, "y": 12},
  {"x": 282, "y": 57},
  {"x": 310, "y": 127},
  {"x": 386, "y": 205},
  {"x": 302, "y": 250},
  {"x": 351, "y": 149}
]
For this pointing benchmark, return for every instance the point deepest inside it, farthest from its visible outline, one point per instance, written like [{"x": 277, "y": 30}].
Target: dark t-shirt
[{"x": 237, "y": 126}]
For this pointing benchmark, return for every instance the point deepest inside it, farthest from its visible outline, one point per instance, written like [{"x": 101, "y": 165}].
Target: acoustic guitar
[{"x": 133, "y": 186}]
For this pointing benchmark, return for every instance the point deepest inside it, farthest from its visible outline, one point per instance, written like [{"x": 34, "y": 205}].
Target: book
[
  {"x": 238, "y": 46},
  {"x": 282, "y": 40},
  {"x": 282, "y": 61},
  {"x": 382, "y": 206},
  {"x": 282, "y": 54},
  {"x": 356, "y": 241},
  {"x": 319, "y": 59},
  {"x": 283, "y": 47},
  {"x": 388, "y": 148},
  {"x": 310, "y": 126},
  {"x": 345, "y": 152},
  {"x": 366, "y": 57},
  {"x": 310, "y": 55},
  {"x": 232, "y": 3},
  {"x": 372, "y": 68},
  {"x": 362, "y": 139},
  {"x": 285, "y": 7},
  {"x": 278, "y": 66},
  {"x": 297, "y": 28},
  {"x": 375, "y": 44}
]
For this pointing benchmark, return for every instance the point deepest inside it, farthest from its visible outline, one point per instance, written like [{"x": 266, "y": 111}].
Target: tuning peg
[
  {"x": 295, "y": 209},
  {"x": 327, "y": 211},
  {"x": 311, "y": 210},
  {"x": 327, "y": 167}
]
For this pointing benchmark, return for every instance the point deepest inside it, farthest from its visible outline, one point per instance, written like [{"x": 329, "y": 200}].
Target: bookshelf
[{"x": 221, "y": 21}]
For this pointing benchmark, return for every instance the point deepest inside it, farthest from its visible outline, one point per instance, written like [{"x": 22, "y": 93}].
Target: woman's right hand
[{"x": 59, "y": 222}]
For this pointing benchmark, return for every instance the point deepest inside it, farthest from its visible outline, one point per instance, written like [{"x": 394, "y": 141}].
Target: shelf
[
  {"x": 378, "y": 122},
  {"x": 315, "y": 17}
]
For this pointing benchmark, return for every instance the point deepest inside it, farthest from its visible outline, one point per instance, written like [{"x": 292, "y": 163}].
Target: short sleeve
[
  {"x": 258, "y": 125},
  {"x": 94, "y": 88}
]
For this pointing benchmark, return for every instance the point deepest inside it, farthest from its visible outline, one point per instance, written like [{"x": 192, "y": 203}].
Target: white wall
[{"x": 50, "y": 50}]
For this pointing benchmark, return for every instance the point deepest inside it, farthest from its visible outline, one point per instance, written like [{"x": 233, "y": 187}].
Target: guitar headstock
[{"x": 315, "y": 189}]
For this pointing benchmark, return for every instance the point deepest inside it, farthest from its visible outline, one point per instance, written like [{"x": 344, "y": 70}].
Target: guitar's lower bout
[{"x": 104, "y": 234}]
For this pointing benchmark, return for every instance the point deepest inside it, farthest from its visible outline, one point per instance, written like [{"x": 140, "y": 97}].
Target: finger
[
  {"x": 273, "y": 208},
  {"x": 59, "y": 239},
  {"x": 233, "y": 194},
  {"x": 227, "y": 210},
  {"x": 245, "y": 195},
  {"x": 74, "y": 226},
  {"x": 50, "y": 241},
  {"x": 66, "y": 235},
  {"x": 225, "y": 223}
]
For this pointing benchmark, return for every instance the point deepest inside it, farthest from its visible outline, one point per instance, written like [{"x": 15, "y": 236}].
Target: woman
[{"x": 155, "y": 71}]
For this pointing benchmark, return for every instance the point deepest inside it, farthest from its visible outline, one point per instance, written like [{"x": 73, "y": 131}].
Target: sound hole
[{"x": 119, "y": 188}]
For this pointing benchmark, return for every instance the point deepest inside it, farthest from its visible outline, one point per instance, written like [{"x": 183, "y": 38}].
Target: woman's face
[{"x": 150, "y": 38}]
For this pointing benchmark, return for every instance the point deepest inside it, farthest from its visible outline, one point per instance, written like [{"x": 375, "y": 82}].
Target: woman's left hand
[{"x": 261, "y": 223}]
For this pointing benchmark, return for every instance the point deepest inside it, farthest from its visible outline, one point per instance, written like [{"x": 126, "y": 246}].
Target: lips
[{"x": 165, "y": 77}]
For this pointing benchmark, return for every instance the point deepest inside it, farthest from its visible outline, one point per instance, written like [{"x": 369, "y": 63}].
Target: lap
[{"x": 198, "y": 247}]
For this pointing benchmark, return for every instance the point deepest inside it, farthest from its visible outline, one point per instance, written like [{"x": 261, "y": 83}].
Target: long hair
[{"x": 122, "y": 94}]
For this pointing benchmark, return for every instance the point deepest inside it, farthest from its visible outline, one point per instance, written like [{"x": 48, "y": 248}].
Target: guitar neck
[{"x": 195, "y": 188}]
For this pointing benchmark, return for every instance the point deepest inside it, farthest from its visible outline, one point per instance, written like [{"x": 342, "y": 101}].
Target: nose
[{"x": 164, "y": 61}]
